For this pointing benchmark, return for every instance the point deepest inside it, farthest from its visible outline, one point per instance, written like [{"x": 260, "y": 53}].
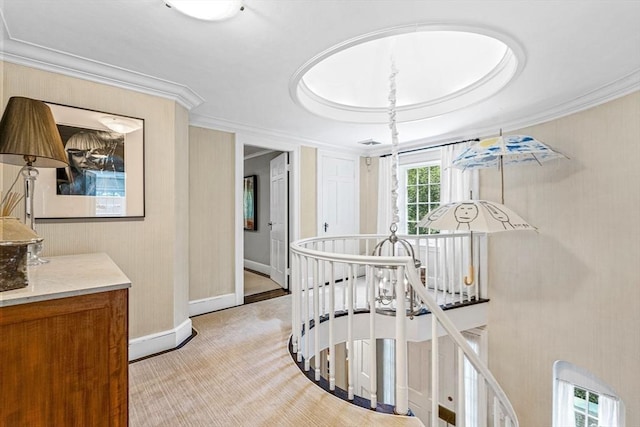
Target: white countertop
[{"x": 67, "y": 276}]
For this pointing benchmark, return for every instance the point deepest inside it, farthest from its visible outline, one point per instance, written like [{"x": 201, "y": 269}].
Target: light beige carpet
[
  {"x": 256, "y": 283},
  {"x": 238, "y": 372}
]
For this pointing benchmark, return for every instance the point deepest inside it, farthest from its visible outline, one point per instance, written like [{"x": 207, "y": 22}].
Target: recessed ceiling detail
[{"x": 440, "y": 70}]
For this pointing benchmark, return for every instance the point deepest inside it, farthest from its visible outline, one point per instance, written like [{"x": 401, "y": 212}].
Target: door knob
[{"x": 325, "y": 227}]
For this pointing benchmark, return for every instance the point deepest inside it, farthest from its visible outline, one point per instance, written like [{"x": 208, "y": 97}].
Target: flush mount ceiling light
[
  {"x": 369, "y": 142},
  {"x": 120, "y": 124},
  {"x": 441, "y": 69},
  {"x": 207, "y": 10}
]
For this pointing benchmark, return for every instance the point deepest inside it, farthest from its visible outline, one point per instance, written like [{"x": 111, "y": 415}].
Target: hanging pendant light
[{"x": 387, "y": 276}]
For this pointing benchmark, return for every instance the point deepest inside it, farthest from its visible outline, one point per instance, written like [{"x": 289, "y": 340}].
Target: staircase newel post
[{"x": 402, "y": 376}]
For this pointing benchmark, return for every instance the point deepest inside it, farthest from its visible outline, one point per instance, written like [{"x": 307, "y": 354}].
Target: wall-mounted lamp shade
[
  {"x": 28, "y": 133},
  {"x": 208, "y": 10},
  {"x": 120, "y": 124}
]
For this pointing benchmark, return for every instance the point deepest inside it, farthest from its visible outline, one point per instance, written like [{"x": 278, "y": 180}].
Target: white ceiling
[{"x": 236, "y": 75}]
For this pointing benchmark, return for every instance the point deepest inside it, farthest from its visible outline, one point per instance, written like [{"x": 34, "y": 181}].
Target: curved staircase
[{"x": 342, "y": 297}]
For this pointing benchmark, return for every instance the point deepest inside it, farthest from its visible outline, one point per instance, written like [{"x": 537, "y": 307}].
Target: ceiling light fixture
[
  {"x": 207, "y": 10},
  {"x": 120, "y": 124},
  {"x": 369, "y": 142}
]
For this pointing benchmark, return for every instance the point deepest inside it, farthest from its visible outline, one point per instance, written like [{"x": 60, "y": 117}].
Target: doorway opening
[{"x": 266, "y": 219}]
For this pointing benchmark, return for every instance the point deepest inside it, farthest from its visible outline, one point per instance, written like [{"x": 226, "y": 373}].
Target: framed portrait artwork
[
  {"x": 105, "y": 176},
  {"x": 249, "y": 202}
]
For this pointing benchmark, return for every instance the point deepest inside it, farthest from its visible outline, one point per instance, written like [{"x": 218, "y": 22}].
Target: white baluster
[
  {"x": 349, "y": 286},
  {"x": 460, "y": 404},
  {"x": 435, "y": 371},
  {"x": 402, "y": 379},
  {"x": 307, "y": 334},
  {"x": 447, "y": 263},
  {"x": 332, "y": 345},
  {"x": 373, "y": 374},
  {"x": 316, "y": 318},
  {"x": 323, "y": 302},
  {"x": 440, "y": 270},
  {"x": 295, "y": 325},
  {"x": 459, "y": 248}
]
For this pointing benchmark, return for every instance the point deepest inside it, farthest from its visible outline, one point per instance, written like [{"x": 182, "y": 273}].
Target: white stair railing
[{"x": 334, "y": 288}]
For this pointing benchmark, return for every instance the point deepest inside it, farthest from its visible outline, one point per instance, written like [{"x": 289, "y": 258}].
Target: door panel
[
  {"x": 278, "y": 214},
  {"x": 338, "y": 203},
  {"x": 420, "y": 377}
]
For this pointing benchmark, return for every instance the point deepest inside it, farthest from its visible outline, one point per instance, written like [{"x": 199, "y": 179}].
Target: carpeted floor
[
  {"x": 237, "y": 372},
  {"x": 257, "y": 283}
]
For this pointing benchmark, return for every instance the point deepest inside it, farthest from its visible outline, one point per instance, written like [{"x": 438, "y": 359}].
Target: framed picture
[
  {"x": 249, "y": 202},
  {"x": 105, "y": 176}
]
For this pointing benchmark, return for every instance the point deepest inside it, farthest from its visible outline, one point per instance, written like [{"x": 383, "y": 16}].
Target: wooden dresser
[{"x": 64, "y": 345}]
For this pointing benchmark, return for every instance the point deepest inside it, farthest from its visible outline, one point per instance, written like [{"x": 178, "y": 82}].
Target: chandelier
[{"x": 387, "y": 277}]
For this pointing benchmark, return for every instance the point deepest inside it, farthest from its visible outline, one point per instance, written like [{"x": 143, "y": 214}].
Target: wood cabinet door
[{"x": 64, "y": 362}]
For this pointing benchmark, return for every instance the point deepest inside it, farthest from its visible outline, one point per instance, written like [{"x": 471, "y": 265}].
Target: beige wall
[
  {"x": 212, "y": 213},
  {"x": 184, "y": 248},
  {"x": 369, "y": 195},
  {"x": 308, "y": 192},
  {"x": 570, "y": 291},
  {"x": 151, "y": 252},
  {"x": 181, "y": 221}
]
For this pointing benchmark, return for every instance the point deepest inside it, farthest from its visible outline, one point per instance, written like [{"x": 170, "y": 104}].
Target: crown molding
[
  {"x": 269, "y": 134},
  {"x": 31, "y": 55},
  {"x": 609, "y": 92},
  {"x": 616, "y": 89},
  {"x": 23, "y": 53}
]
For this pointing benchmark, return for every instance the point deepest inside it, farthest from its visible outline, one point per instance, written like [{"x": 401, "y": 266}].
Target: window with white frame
[
  {"x": 582, "y": 400},
  {"x": 421, "y": 194},
  {"x": 423, "y": 184},
  {"x": 419, "y": 188}
]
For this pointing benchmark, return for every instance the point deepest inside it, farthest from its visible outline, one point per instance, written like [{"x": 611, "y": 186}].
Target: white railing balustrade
[{"x": 335, "y": 283}]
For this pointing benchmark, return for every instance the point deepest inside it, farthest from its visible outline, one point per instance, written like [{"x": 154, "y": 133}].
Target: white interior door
[
  {"x": 361, "y": 364},
  {"x": 420, "y": 377},
  {"x": 338, "y": 202},
  {"x": 279, "y": 217},
  {"x": 338, "y": 195}
]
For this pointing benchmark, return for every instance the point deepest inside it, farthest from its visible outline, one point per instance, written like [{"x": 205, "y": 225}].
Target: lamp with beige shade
[{"x": 29, "y": 138}]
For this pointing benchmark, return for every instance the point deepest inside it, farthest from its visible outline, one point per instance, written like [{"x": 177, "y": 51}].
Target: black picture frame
[
  {"x": 110, "y": 187},
  {"x": 249, "y": 202}
]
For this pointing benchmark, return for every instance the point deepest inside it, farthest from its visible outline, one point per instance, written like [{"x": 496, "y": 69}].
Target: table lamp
[{"x": 29, "y": 137}]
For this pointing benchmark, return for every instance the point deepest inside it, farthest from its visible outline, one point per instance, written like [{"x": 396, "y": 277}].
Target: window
[
  {"x": 585, "y": 407},
  {"x": 582, "y": 400},
  {"x": 422, "y": 194}
]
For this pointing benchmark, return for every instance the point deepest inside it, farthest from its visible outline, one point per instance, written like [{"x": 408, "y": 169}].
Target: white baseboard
[
  {"x": 207, "y": 305},
  {"x": 256, "y": 266},
  {"x": 159, "y": 342}
]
